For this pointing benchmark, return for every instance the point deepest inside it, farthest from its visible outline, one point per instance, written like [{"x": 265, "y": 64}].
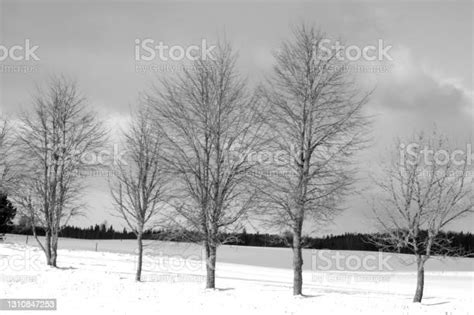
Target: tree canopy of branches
[
  {"x": 420, "y": 195},
  {"x": 315, "y": 123},
  {"x": 209, "y": 122},
  {"x": 8, "y": 173},
  {"x": 141, "y": 188},
  {"x": 53, "y": 139}
]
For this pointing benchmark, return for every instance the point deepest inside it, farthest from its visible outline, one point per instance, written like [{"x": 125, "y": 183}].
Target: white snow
[{"x": 103, "y": 282}]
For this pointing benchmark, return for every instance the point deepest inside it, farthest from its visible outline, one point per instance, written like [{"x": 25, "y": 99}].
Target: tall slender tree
[
  {"x": 53, "y": 139},
  {"x": 315, "y": 123},
  {"x": 209, "y": 121},
  {"x": 8, "y": 173},
  {"x": 141, "y": 190}
]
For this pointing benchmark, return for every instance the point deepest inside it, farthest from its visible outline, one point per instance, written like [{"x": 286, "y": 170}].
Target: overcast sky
[{"x": 429, "y": 81}]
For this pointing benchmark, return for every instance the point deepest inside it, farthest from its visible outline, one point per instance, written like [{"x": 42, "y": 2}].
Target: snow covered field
[{"x": 250, "y": 280}]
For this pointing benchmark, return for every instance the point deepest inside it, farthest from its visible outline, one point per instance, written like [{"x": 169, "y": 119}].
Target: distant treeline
[{"x": 347, "y": 241}]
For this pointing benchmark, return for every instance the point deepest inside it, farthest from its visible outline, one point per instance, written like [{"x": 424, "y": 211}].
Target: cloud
[{"x": 416, "y": 96}]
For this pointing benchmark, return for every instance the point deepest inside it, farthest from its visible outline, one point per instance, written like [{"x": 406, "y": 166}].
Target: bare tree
[
  {"x": 3, "y": 152},
  {"x": 53, "y": 139},
  {"x": 8, "y": 173},
  {"x": 421, "y": 194},
  {"x": 209, "y": 122},
  {"x": 141, "y": 191},
  {"x": 316, "y": 123}
]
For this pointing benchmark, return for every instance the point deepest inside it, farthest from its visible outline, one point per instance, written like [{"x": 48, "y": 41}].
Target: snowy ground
[{"x": 103, "y": 282}]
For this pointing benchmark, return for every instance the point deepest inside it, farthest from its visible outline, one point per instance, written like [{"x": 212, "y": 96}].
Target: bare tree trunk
[
  {"x": 50, "y": 250},
  {"x": 420, "y": 280},
  {"x": 211, "y": 252},
  {"x": 297, "y": 264},
  {"x": 140, "y": 257},
  {"x": 54, "y": 250},
  {"x": 47, "y": 250}
]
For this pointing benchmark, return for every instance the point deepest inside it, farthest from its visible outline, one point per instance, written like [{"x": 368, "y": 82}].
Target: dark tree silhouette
[{"x": 7, "y": 213}]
